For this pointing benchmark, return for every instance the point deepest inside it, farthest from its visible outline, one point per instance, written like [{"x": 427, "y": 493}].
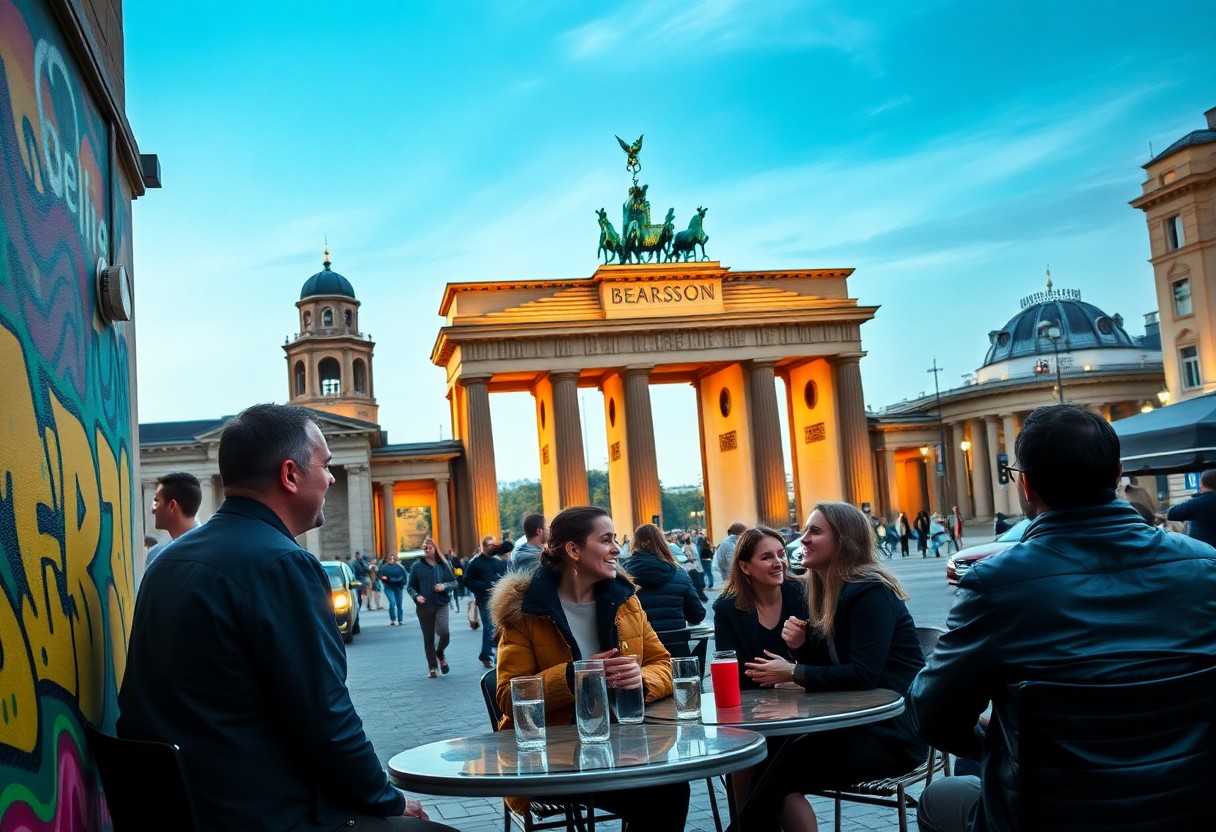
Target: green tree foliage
[{"x": 515, "y": 499}]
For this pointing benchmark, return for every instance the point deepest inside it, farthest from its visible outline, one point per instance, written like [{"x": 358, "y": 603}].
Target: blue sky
[{"x": 948, "y": 151}]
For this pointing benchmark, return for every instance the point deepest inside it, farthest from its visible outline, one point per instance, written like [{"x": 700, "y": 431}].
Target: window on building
[
  {"x": 331, "y": 377},
  {"x": 348, "y": 316},
  {"x": 1188, "y": 357},
  {"x": 1173, "y": 233},
  {"x": 327, "y": 317},
  {"x": 1182, "y": 297},
  {"x": 360, "y": 376},
  {"x": 307, "y": 320},
  {"x": 301, "y": 379}
]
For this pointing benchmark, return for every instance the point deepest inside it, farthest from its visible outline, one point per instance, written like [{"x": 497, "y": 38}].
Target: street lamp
[
  {"x": 1052, "y": 332},
  {"x": 1163, "y": 396},
  {"x": 941, "y": 435}
]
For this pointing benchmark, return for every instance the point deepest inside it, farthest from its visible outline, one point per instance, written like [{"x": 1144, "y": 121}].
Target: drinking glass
[
  {"x": 528, "y": 707},
  {"x": 686, "y": 687},
  {"x": 591, "y": 701},
  {"x": 724, "y": 670},
  {"x": 629, "y": 704}
]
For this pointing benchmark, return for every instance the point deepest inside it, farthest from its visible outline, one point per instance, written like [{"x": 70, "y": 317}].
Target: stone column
[
  {"x": 568, "y": 436},
  {"x": 772, "y": 501},
  {"x": 358, "y": 508},
  {"x": 888, "y": 466},
  {"x": 388, "y": 519},
  {"x": 443, "y": 531},
  {"x": 1000, "y": 499},
  {"x": 639, "y": 428},
  {"x": 478, "y": 442},
  {"x": 959, "y": 469},
  {"x": 981, "y": 470},
  {"x": 1013, "y": 425},
  {"x": 854, "y": 435}
]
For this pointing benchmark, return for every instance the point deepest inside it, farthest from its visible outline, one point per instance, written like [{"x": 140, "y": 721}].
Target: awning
[{"x": 1170, "y": 440}]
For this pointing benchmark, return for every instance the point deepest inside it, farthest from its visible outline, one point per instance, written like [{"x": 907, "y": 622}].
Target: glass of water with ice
[
  {"x": 591, "y": 701},
  {"x": 686, "y": 687},
  {"x": 528, "y": 711}
]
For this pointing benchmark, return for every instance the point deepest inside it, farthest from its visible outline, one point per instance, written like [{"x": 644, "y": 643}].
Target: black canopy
[{"x": 1171, "y": 440}]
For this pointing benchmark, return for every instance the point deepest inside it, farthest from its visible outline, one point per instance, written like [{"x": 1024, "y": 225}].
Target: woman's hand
[
  {"x": 771, "y": 670},
  {"x": 620, "y": 671},
  {"x": 413, "y": 809},
  {"x": 793, "y": 632}
]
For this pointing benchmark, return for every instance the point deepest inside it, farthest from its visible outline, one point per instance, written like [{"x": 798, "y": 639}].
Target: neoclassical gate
[{"x": 728, "y": 334}]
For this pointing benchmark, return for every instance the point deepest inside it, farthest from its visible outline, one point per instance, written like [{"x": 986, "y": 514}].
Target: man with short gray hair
[
  {"x": 235, "y": 656},
  {"x": 724, "y": 555}
]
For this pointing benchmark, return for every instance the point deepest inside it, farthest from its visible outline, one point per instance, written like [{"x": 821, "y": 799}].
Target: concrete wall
[{"x": 68, "y": 481}]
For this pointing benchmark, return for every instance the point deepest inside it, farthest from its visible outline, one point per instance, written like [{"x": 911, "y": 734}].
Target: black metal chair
[
  {"x": 1156, "y": 741},
  {"x": 893, "y": 791},
  {"x": 540, "y": 815},
  {"x": 144, "y": 782}
]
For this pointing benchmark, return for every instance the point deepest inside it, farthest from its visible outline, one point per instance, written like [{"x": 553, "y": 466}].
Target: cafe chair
[
  {"x": 569, "y": 816},
  {"x": 681, "y": 643},
  {"x": 893, "y": 791},
  {"x": 144, "y": 782},
  {"x": 1155, "y": 743}
]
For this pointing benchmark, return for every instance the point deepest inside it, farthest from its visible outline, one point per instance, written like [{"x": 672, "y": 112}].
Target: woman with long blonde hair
[{"x": 857, "y": 635}]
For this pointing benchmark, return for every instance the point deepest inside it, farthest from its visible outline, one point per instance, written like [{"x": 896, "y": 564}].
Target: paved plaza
[{"x": 402, "y": 707}]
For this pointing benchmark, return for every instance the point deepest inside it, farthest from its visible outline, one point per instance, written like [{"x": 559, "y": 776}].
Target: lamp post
[
  {"x": 941, "y": 435},
  {"x": 1163, "y": 396},
  {"x": 1051, "y": 331}
]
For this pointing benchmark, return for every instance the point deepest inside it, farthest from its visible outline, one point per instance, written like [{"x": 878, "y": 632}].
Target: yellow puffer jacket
[{"x": 534, "y": 639}]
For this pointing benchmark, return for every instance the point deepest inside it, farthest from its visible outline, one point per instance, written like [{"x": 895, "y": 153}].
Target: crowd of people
[{"x": 282, "y": 742}]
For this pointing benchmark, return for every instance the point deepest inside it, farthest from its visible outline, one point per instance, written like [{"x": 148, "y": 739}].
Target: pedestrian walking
[
  {"x": 392, "y": 575},
  {"x": 375, "y": 586},
  {"x": 485, "y": 568},
  {"x": 922, "y": 524},
  {"x": 430, "y": 583},
  {"x": 905, "y": 534}
]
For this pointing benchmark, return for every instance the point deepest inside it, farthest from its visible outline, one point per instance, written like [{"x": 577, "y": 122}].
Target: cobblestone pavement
[{"x": 401, "y": 707}]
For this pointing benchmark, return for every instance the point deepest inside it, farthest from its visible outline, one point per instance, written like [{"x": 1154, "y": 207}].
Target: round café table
[
  {"x": 492, "y": 765},
  {"x": 784, "y": 711}
]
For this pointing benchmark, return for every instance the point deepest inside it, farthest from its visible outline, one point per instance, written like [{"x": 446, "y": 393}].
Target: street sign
[
  {"x": 1191, "y": 481},
  {"x": 1002, "y": 473}
]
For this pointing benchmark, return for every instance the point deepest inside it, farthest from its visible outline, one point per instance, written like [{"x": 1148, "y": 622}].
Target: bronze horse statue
[
  {"x": 610, "y": 241},
  {"x": 686, "y": 242},
  {"x": 650, "y": 240}
]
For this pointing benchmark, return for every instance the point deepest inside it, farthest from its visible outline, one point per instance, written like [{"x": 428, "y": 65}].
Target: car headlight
[{"x": 341, "y": 602}]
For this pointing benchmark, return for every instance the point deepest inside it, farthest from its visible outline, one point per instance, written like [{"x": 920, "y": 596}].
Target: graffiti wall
[{"x": 66, "y": 441}]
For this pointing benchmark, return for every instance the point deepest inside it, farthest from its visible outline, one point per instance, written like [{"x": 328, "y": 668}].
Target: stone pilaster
[
  {"x": 891, "y": 483},
  {"x": 568, "y": 436},
  {"x": 388, "y": 520},
  {"x": 479, "y": 451},
  {"x": 1000, "y": 498},
  {"x": 854, "y": 435},
  {"x": 981, "y": 469},
  {"x": 958, "y": 467},
  {"x": 643, "y": 462},
  {"x": 443, "y": 523},
  {"x": 358, "y": 502},
  {"x": 772, "y": 500}
]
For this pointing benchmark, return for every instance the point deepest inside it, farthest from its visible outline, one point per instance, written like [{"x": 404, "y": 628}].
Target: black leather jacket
[{"x": 1089, "y": 595}]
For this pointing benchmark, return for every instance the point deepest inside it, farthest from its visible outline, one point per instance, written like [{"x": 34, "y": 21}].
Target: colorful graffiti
[{"x": 66, "y": 499}]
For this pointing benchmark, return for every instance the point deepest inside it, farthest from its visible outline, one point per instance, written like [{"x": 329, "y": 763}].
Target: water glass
[
  {"x": 724, "y": 671},
  {"x": 686, "y": 687},
  {"x": 591, "y": 701},
  {"x": 630, "y": 706},
  {"x": 528, "y": 707}
]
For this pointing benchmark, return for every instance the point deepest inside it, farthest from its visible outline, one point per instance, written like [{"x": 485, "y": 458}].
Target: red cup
[{"x": 724, "y": 670}]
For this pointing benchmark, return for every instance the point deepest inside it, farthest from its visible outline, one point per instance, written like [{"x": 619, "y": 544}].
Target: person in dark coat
[
  {"x": 923, "y": 526},
  {"x": 1200, "y": 510},
  {"x": 483, "y": 571},
  {"x": 905, "y": 534},
  {"x": 665, "y": 590}
]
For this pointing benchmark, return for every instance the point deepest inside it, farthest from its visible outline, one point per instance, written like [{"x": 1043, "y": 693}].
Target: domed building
[
  {"x": 1056, "y": 339},
  {"x": 385, "y": 497}
]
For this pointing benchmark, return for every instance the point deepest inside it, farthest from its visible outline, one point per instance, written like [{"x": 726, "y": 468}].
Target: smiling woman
[{"x": 577, "y": 605}]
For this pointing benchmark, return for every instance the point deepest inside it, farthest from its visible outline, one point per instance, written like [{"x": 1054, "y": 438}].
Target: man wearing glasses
[{"x": 1092, "y": 595}]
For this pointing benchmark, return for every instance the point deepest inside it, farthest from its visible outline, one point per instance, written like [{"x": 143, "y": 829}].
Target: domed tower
[{"x": 329, "y": 364}]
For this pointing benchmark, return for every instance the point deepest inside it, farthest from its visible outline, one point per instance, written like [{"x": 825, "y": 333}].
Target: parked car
[
  {"x": 342, "y": 585},
  {"x": 959, "y": 563},
  {"x": 793, "y": 555}
]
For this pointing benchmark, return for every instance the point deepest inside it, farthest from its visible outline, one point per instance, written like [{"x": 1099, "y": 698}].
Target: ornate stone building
[
  {"x": 386, "y": 497},
  {"x": 928, "y": 462}
]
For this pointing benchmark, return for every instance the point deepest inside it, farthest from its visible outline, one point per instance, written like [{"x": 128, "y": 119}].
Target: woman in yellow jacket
[{"x": 579, "y": 605}]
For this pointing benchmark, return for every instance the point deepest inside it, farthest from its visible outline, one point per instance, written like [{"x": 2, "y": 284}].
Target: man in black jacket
[
  {"x": 235, "y": 657},
  {"x": 1200, "y": 510},
  {"x": 483, "y": 571},
  {"x": 1092, "y": 595}
]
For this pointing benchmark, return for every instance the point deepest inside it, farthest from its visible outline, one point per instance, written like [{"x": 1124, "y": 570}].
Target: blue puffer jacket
[{"x": 666, "y": 593}]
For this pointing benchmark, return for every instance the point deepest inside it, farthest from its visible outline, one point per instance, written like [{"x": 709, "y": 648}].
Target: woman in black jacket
[
  {"x": 858, "y": 635},
  {"x": 665, "y": 590}
]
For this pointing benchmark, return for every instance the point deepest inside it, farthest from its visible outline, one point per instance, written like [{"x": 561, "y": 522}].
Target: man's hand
[
  {"x": 413, "y": 809},
  {"x": 793, "y": 632},
  {"x": 420, "y": 600},
  {"x": 440, "y": 588}
]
